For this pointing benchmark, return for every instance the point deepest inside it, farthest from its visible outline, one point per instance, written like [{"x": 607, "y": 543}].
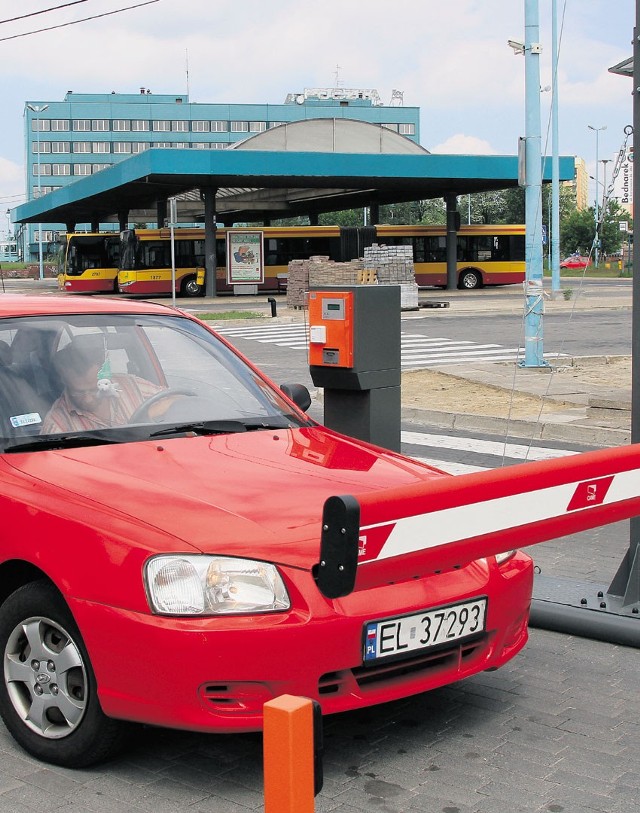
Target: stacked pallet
[
  {"x": 382, "y": 265},
  {"x": 298, "y": 281},
  {"x": 316, "y": 272},
  {"x": 394, "y": 266}
]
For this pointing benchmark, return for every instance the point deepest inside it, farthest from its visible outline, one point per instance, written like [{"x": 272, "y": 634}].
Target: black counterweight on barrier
[{"x": 354, "y": 354}]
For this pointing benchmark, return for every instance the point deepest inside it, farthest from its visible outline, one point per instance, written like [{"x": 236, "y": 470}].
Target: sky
[{"x": 450, "y": 59}]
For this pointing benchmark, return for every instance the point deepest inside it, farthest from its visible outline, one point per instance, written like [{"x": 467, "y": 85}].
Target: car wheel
[
  {"x": 48, "y": 697},
  {"x": 190, "y": 287},
  {"x": 469, "y": 280}
]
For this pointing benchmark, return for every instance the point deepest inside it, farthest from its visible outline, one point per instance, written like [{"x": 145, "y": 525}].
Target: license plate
[{"x": 402, "y": 636}]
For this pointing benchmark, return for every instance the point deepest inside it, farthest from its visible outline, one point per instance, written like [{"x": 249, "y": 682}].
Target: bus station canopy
[{"x": 302, "y": 168}]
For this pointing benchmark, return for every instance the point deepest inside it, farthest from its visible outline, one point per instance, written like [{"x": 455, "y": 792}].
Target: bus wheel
[
  {"x": 191, "y": 288},
  {"x": 469, "y": 280}
]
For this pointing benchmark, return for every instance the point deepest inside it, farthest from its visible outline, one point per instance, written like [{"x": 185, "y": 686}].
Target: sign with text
[{"x": 245, "y": 257}]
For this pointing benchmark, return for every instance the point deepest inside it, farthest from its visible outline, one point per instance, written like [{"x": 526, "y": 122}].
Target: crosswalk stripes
[
  {"x": 417, "y": 352},
  {"x": 445, "y": 451}
]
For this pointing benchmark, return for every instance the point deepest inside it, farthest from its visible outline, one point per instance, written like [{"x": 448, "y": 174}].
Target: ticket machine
[{"x": 354, "y": 354}]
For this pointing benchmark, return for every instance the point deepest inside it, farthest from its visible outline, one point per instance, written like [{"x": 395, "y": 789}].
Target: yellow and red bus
[
  {"x": 88, "y": 262},
  {"x": 146, "y": 262},
  {"x": 487, "y": 255}
]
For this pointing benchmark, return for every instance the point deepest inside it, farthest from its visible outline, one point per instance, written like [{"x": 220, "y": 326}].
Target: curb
[{"x": 568, "y": 432}]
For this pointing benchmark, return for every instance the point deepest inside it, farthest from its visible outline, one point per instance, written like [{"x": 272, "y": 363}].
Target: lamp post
[
  {"x": 37, "y": 109},
  {"x": 597, "y": 131}
]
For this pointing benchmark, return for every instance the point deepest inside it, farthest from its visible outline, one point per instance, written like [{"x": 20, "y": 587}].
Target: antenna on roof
[
  {"x": 397, "y": 97},
  {"x": 337, "y": 75},
  {"x": 186, "y": 57}
]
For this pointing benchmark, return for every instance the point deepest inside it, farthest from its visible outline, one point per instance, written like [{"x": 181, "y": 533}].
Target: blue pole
[
  {"x": 555, "y": 161},
  {"x": 534, "y": 308}
]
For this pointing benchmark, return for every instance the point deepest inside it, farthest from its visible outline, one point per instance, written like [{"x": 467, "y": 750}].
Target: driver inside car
[{"x": 93, "y": 398}]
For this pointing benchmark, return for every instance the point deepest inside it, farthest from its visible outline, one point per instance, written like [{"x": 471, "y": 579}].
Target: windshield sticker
[{"x": 25, "y": 420}]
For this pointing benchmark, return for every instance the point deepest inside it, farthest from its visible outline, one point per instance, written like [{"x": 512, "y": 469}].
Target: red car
[
  {"x": 165, "y": 511},
  {"x": 575, "y": 261}
]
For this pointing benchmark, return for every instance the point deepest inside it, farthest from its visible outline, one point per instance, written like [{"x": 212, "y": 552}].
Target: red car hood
[{"x": 255, "y": 494}]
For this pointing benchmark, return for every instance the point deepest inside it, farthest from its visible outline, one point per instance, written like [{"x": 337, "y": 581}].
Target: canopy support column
[
  {"x": 210, "y": 229},
  {"x": 453, "y": 223}
]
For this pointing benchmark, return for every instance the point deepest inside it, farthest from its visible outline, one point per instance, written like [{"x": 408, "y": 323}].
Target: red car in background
[
  {"x": 163, "y": 565},
  {"x": 576, "y": 261}
]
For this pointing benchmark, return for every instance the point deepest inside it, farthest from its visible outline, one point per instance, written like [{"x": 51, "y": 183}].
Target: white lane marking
[{"x": 518, "y": 451}]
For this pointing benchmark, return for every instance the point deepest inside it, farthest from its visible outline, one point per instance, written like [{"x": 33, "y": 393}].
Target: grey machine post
[{"x": 354, "y": 354}]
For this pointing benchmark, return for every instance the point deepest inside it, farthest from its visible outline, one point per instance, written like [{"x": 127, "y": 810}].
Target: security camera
[{"x": 518, "y": 47}]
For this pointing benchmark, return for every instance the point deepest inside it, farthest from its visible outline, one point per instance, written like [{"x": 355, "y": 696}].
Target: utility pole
[
  {"x": 554, "y": 254},
  {"x": 597, "y": 131},
  {"x": 534, "y": 305}
]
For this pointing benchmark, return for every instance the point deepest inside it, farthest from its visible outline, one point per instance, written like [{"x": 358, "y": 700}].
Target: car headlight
[{"x": 213, "y": 585}]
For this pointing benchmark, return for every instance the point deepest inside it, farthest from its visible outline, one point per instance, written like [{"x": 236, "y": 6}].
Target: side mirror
[{"x": 299, "y": 394}]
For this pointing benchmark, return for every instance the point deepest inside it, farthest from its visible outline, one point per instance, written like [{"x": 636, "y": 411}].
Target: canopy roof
[{"x": 302, "y": 168}]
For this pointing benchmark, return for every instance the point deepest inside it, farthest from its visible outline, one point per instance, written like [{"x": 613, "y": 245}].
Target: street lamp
[
  {"x": 37, "y": 109},
  {"x": 597, "y": 131}
]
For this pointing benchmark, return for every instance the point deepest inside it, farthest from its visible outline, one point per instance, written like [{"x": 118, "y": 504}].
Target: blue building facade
[{"x": 85, "y": 133}]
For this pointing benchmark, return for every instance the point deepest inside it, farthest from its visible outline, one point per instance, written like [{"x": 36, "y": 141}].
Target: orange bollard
[{"x": 288, "y": 755}]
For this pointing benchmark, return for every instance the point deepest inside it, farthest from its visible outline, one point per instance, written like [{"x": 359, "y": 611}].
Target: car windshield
[{"x": 87, "y": 379}]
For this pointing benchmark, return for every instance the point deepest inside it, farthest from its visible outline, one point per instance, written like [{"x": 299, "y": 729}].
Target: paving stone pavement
[{"x": 555, "y": 730}]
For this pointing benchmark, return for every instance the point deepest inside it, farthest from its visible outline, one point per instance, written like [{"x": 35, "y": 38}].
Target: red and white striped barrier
[{"x": 452, "y": 521}]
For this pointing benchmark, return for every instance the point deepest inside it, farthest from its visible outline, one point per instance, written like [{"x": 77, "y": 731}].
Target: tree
[{"x": 577, "y": 230}]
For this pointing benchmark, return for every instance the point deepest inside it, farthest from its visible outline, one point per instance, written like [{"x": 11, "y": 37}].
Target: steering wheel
[{"x": 141, "y": 414}]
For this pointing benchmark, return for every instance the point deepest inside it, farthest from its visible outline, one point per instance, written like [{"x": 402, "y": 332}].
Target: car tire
[
  {"x": 469, "y": 280},
  {"x": 48, "y": 698},
  {"x": 190, "y": 287}
]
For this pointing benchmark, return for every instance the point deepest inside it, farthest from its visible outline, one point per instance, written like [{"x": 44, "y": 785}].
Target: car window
[{"x": 109, "y": 373}]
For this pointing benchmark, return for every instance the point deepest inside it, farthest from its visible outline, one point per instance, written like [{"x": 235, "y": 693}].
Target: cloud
[{"x": 460, "y": 144}]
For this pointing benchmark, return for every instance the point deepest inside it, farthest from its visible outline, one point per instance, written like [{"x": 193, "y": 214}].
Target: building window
[
  {"x": 98, "y": 167},
  {"x": 161, "y": 126},
  {"x": 61, "y": 169},
  {"x": 200, "y": 145},
  {"x": 42, "y": 125},
  {"x": 219, "y": 145},
  {"x": 46, "y": 236},
  {"x": 390, "y": 126},
  {"x": 139, "y": 126},
  {"x": 122, "y": 146},
  {"x": 139, "y": 146},
  {"x": 219, "y": 127},
  {"x": 81, "y": 125},
  {"x": 121, "y": 125},
  {"x": 41, "y": 169},
  {"x": 180, "y": 126},
  {"x": 100, "y": 125},
  {"x": 257, "y": 126},
  {"x": 82, "y": 146},
  {"x": 59, "y": 125},
  {"x": 181, "y": 145},
  {"x": 275, "y": 124},
  {"x": 82, "y": 169},
  {"x": 407, "y": 129},
  {"x": 45, "y": 146},
  {"x": 200, "y": 126},
  {"x": 101, "y": 146},
  {"x": 60, "y": 146},
  {"x": 163, "y": 144},
  {"x": 239, "y": 126}
]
